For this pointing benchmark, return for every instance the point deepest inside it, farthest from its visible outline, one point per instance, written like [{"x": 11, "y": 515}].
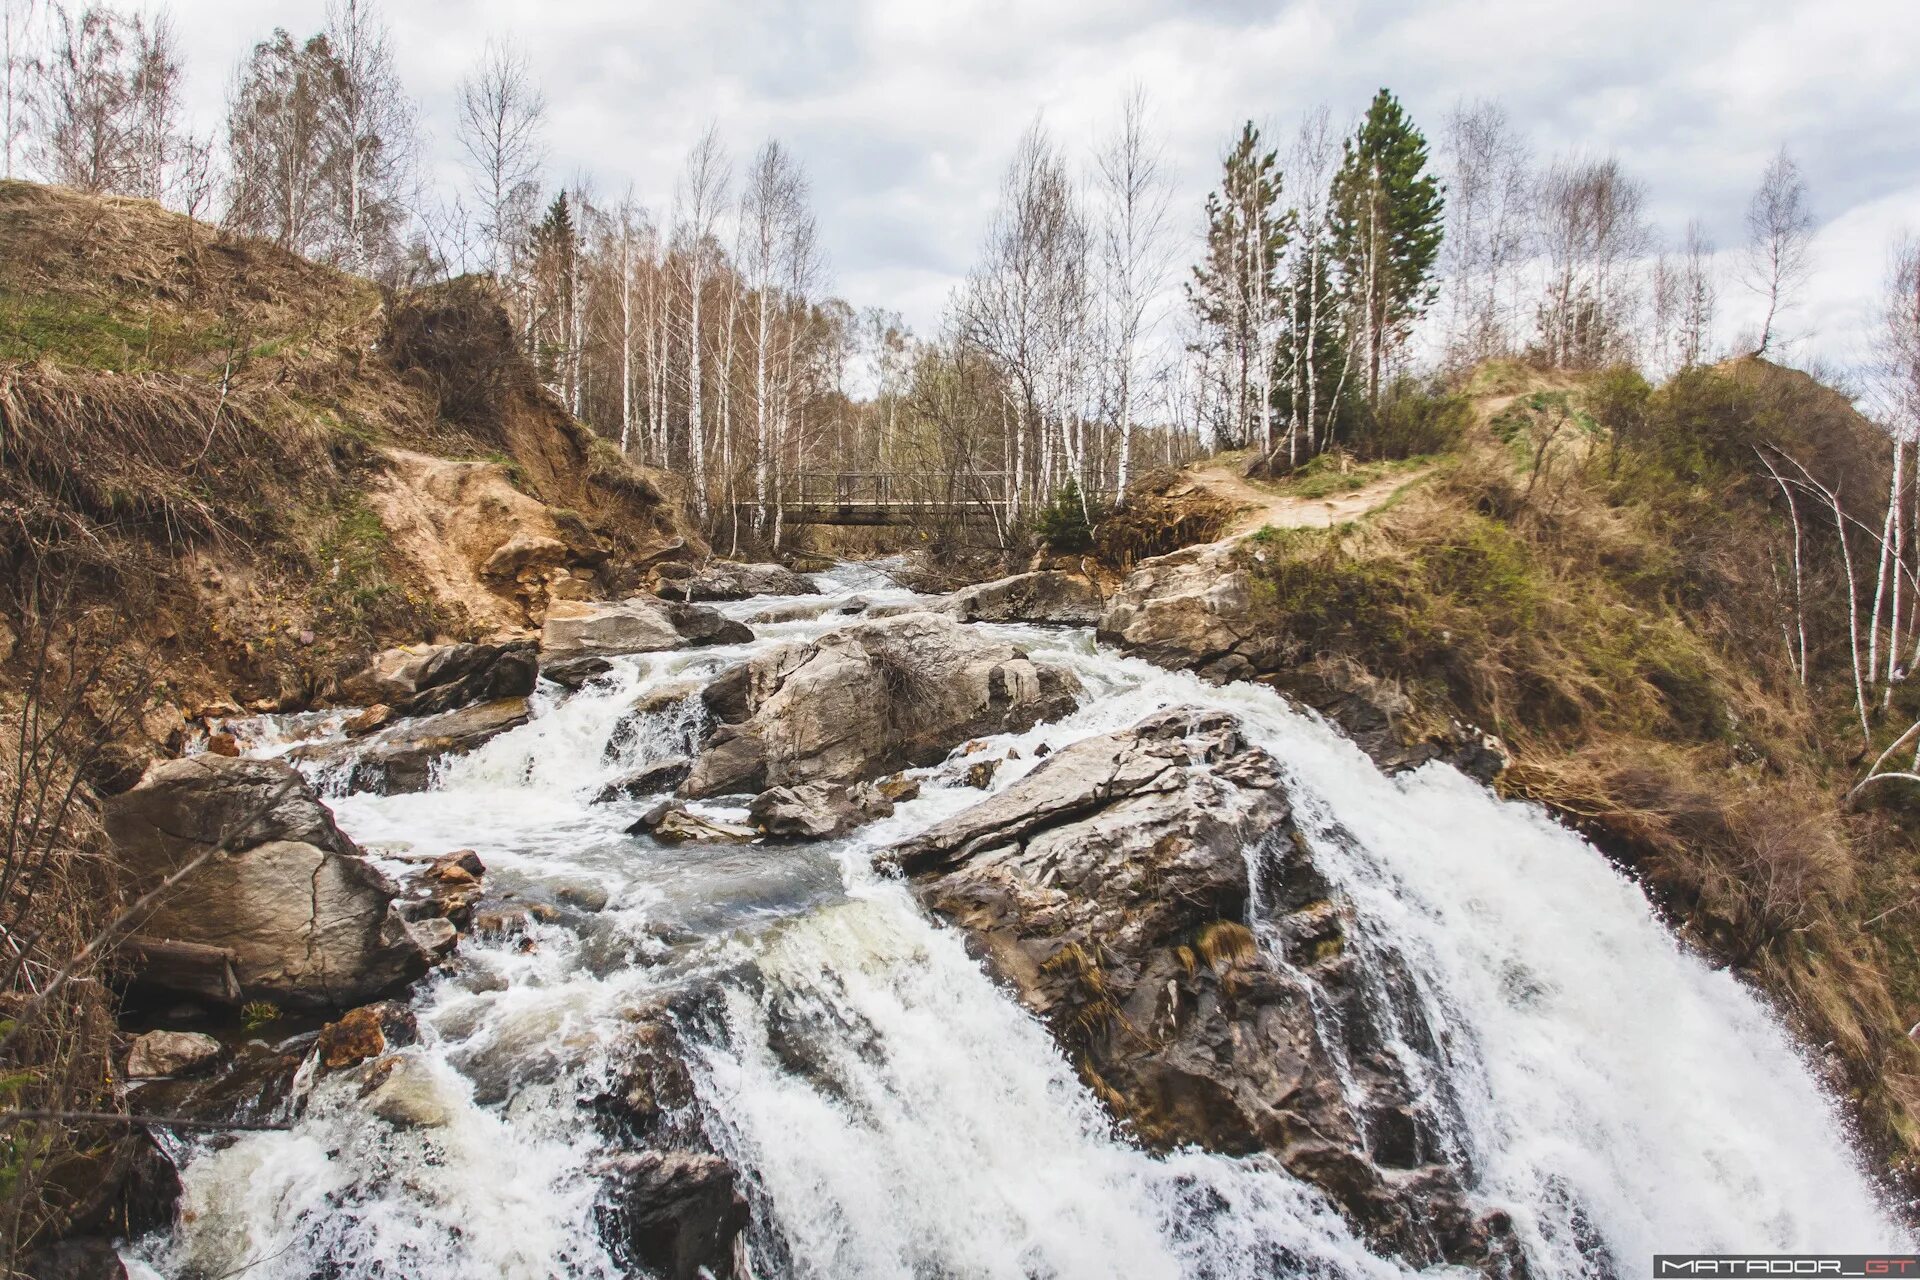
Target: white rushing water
[{"x": 1614, "y": 1095}]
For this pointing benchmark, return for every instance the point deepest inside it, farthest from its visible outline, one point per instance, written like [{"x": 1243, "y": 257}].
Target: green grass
[
  {"x": 72, "y": 331},
  {"x": 1327, "y": 475}
]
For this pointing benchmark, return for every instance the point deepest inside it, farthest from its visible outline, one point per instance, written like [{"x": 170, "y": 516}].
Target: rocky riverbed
[{"x": 852, "y": 933}]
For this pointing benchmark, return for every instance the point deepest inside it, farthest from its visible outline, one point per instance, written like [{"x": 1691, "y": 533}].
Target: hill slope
[
  {"x": 1601, "y": 574},
  {"x": 284, "y": 466}
]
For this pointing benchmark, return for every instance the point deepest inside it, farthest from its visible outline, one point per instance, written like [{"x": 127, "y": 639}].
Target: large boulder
[
  {"x": 816, "y": 810},
  {"x": 729, "y": 580},
  {"x": 1066, "y": 599},
  {"x": 643, "y": 624},
  {"x": 420, "y": 680},
  {"x": 867, "y": 699},
  {"x": 1191, "y": 610},
  {"x": 399, "y": 758},
  {"x": 1113, "y": 890},
  {"x": 301, "y": 916}
]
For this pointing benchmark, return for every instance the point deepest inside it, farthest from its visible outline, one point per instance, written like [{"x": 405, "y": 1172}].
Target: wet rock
[
  {"x": 407, "y": 1093},
  {"x": 652, "y": 779},
  {"x": 301, "y": 917},
  {"x": 462, "y": 866},
  {"x": 399, "y": 759},
  {"x": 373, "y": 717},
  {"x": 223, "y": 744},
  {"x": 82, "y": 1258},
  {"x": 1066, "y": 599},
  {"x": 1110, "y": 889},
  {"x": 366, "y": 1033},
  {"x": 171, "y": 1053},
  {"x": 809, "y": 610},
  {"x": 582, "y": 895},
  {"x": 728, "y": 580},
  {"x": 421, "y": 680},
  {"x": 979, "y": 774},
  {"x": 674, "y": 823},
  {"x": 898, "y": 789},
  {"x": 868, "y": 699},
  {"x": 676, "y": 1213},
  {"x": 642, "y": 624},
  {"x": 816, "y": 810},
  {"x": 573, "y": 674}
]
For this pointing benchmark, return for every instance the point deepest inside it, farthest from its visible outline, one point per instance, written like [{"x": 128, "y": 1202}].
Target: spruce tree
[
  {"x": 1235, "y": 288},
  {"x": 1387, "y": 227}
]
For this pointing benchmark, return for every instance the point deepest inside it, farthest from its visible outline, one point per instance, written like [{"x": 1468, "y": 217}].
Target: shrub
[
  {"x": 1063, "y": 523},
  {"x": 1411, "y": 420}
]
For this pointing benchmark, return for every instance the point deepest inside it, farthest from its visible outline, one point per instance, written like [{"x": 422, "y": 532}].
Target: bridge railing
[{"x": 892, "y": 489}]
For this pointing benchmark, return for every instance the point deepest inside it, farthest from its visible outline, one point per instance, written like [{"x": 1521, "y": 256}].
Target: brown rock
[
  {"x": 171, "y": 1053},
  {"x": 366, "y": 1033},
  {"x": 221, "y": 743},
  {"x": 367, "y": 721},
  {"x": 869, "y": 699}
]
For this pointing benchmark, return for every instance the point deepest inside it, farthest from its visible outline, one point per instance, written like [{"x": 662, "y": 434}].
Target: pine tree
[
  {"x": 1387, "y": 227},
  {"x": 1235, "y": 288}
]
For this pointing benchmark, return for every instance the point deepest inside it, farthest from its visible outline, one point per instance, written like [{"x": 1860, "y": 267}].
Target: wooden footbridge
[{"x": 887, "y": 498}]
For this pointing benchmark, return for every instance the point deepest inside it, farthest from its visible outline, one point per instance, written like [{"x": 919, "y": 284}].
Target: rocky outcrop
[
  {"x": 302, "y": 917},
  {"x": 399, "y": 758},
  {"x": 1191, "y": 610},
  {"x": 867, "y": 699},
  {"x": 652, "y": 779},
  {"x": 421, "y": 680},
  {"x": 1194, "y": 611},
  {"x": 816, "y": 810},
  {"x": 1065, "y": 599},
  {"x": 1111, "y": 890},
  {"x": 642, "y": 624},
  {"x": 729, "y": 580}
]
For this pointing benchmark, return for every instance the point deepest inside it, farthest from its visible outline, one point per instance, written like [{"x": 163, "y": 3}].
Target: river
[{"x": 1613, "y": 1094}]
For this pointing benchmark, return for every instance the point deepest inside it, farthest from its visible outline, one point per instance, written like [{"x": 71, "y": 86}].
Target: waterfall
[{"x": 896, "y": 1114}]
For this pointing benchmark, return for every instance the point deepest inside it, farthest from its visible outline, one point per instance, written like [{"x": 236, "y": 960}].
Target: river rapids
[{"x": 1610, "y": 1092}]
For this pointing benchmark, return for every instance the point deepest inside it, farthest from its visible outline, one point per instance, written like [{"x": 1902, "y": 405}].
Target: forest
[{"x": 1335, "y": 270}]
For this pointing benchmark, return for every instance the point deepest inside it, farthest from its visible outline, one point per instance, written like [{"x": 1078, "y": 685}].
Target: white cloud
[{"x": 905, "y": 113}]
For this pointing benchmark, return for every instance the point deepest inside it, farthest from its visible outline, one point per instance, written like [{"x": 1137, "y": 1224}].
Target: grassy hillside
[
  {"x": 1599, "y": 572},
  {"x": 209, "y": 423}
]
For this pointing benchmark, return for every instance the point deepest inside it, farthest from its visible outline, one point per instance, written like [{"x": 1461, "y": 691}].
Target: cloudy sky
[{"x": 904, "y": 112}]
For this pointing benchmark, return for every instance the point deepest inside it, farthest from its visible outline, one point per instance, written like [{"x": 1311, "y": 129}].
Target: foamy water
[{"x": 1615, "y": 1095}]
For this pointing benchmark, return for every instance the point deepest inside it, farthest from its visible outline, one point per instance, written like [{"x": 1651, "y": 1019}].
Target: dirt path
[{"x": 1261, "y": 508}]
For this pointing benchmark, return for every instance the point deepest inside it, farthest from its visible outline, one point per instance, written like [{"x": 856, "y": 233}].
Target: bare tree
[
  {"x": 1024, "y": 298},
  {"x": 1696, "y": 297},
  {"x": 775, "y": 223},
  {"x": 276, "y": 143},
  {"x": 1593, "y": 232},
  {"x": 698, "y": 203},
  {"x": 1487, "y": 206},
  {"x": 18, "y": 19},
  {"x": 369, "y": 122},
  {"x": 1779, "y": 241},
  {"x": 1133, "y": 258},
  {"x": 157, "y": 141},
  {"x": 501, "y": 116},
  {"x": 106, "y": 81}
]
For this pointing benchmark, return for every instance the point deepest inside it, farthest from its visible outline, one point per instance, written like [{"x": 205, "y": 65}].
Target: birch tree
[
  {"x": 1779, "y": 242},
  {"x": 501, "y": 116},
  {"x": 369, "y": 126},
  {"x": 106, "y": 84},
  {"x": 1696, "y": 296},
  {"x": 1487, "y": 201},
  {"x": 701, "y": 197},
  {"x": 1235, "y": 290},
  {"x": 1133, "y": 258},
  {"x": 276, "y": 144},
  {"x": 19, "y": 23}
]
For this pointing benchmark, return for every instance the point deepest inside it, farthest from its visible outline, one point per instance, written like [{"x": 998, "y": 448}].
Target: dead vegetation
[{"x": 1595, "y": 573}]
